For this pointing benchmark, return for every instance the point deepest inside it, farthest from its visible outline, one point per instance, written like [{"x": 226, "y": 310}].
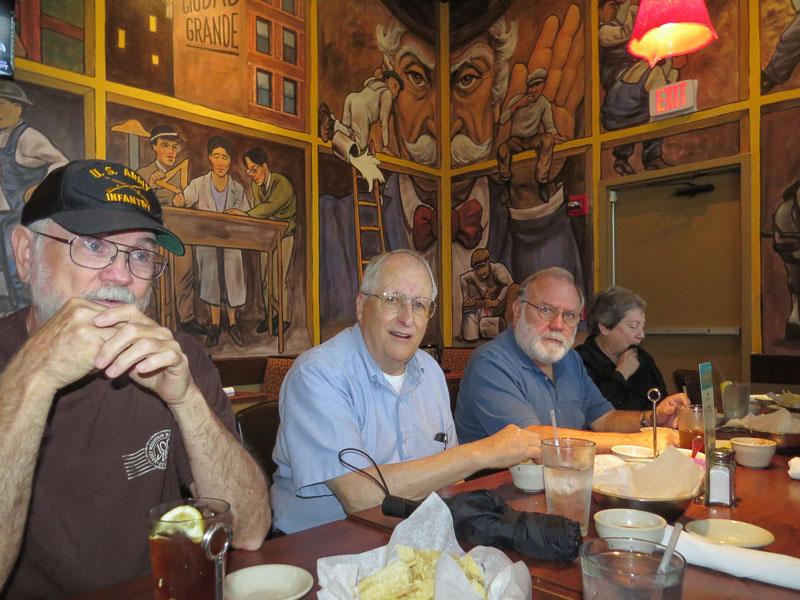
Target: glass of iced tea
[
  {"x": 188, "y": 542},
  {"x": 690, "y": 425}
]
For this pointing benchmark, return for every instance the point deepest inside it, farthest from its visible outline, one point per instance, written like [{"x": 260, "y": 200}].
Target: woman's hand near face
[{"x": 628, "y": 362}]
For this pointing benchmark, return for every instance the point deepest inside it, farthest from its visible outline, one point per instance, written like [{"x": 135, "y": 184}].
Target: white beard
[{"x": 536, "y": 348}]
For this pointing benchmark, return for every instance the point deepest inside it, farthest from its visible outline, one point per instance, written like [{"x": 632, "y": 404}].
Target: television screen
[{"x": 7, "y": 38}]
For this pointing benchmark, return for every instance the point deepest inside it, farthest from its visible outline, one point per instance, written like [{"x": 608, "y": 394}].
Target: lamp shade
[{"x": 670, "y": 28}]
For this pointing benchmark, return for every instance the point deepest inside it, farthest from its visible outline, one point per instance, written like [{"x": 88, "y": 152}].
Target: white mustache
[
  {"x": 113, "y": 293},
  {"x": 424, "y": 150},
  {"x": 463, "y": 151}
]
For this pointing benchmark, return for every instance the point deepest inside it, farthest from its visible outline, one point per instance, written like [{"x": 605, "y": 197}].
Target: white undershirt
[{"x": 396, "y": 381}]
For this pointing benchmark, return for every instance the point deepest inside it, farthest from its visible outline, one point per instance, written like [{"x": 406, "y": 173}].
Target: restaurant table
[{"x": 765, "y": 497}]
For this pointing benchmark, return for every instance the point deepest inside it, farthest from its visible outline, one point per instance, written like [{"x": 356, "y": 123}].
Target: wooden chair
[
  {"x": 277, "y": 367},
  {"x": 455, "y": 359},
  {"x": 258, "y": 429}
]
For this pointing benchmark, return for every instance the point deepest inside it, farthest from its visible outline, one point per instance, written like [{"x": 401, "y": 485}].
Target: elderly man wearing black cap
[{"x": 104, "y": 413}]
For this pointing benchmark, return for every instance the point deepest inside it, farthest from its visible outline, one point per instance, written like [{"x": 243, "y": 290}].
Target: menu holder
[{"x": 709, "y": 417}]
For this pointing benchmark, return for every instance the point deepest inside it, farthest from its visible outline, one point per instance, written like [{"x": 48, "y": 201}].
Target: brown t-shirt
[{"x": 111, "y": 451}]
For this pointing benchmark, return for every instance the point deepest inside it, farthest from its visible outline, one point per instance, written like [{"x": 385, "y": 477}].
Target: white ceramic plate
[
  {"x": 268, "y": 582},
  {"x": 731, "y": 533}
]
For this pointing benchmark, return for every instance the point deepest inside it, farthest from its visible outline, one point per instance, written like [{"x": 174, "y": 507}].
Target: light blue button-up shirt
[{"x": 335, "y": 396}]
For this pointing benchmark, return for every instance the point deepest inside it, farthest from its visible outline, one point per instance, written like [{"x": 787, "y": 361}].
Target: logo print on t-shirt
[{"x": 153, "y": 456}]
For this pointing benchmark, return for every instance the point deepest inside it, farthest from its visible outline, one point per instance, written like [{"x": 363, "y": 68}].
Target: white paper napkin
[
  {"x": 769, "y": 567},
  {"x": 429, "y": 528},
  {"x": 794, "y": 467}
]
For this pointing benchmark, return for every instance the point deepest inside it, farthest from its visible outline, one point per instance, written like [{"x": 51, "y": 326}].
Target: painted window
[
  {"x": 263, "y": 36},
  {"x": 290, "y": 46},
  {"x": 290, "y": 96},
  {"x": 264, "y": 88}
]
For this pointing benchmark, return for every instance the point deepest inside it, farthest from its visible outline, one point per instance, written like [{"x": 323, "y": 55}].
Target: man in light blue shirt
[
  {"x": 372, "y": 389},
  {"x": 530, "y": 369}
]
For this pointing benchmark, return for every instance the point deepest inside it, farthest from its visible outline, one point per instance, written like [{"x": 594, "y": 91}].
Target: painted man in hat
[
  {"x": 26, "y": 156},
  {"x": 483, "y": 290},
  {"x": 166, "y": 144},
  {"x": 104, "y": 413},
  {"x": 527, "y": 113}
]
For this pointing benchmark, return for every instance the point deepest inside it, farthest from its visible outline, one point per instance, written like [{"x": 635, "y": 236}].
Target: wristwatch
[{"x": 643, "y": 422}]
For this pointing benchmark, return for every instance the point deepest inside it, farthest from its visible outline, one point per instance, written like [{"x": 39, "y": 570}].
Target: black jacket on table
[{"x": 623, "y": 395}]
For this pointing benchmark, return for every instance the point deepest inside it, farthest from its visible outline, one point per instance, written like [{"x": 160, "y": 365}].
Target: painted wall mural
[
  {"x": 244, "y": 57},
  {"x": 34, "y": 141},
  {"x": 780, "y": 44},
  {"x": 221, "y": 290},
  {"x": 626, "y": 81},
  {"x": 780, "y": 229},
  {"x": 52, "y": 32},
  {"x": 518, "y": 85}
]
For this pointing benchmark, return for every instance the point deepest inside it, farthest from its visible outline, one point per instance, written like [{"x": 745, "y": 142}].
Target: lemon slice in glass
[
  {"x": 182, "y": 519},
  {"x": 723, "y": 385}
]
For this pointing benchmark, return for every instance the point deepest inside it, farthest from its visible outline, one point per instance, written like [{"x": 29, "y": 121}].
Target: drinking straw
[
  {"x": 555, "y": 427},
  {"x": 673, "y": 540}
]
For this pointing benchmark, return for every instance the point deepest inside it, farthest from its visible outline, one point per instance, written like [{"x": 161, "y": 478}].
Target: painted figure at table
[
  {"x": 217, "y": 191},
  {"x": 166, "y": 145},
  {"x": 786, "y": 242},
  {"x": 612, "y": 354},
  {"x": 527, "y": 113},
  {"x": 530, "y": 369},
  {"x": 104, "y": 413},
  {"x": 273, "y": 198},
  {"x": 26, "y": 156},
  {"x": 370, "y": 387},
  {"x": 483, "y": 290}
]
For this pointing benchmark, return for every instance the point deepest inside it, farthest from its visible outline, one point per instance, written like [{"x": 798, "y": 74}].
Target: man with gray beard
[
  {"x": 105, "y": 414},
  {"x": 531, "y": 369}
]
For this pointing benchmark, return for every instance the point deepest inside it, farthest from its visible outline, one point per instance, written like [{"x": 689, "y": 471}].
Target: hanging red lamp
[{"x": 666, "y": 28}]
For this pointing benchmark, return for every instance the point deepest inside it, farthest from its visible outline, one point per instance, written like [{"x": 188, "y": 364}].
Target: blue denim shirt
[
  {"x": 335, "y": 396},
  {"x": 501, "y": 385}
]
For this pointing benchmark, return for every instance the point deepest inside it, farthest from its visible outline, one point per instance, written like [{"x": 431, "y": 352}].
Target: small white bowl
[
  {"x": 528, "y": 477},
  {"x": 755, "y": 453},
  {"x": 632, "y": 453},
  {"x": 629, "y": 523}
]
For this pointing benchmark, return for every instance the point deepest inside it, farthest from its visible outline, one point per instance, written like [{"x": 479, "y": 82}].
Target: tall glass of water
[{"x": 568, "y": 468}]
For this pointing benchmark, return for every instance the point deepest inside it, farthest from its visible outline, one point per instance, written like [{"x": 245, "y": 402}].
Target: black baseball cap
[{"x": 90, "y": 197}]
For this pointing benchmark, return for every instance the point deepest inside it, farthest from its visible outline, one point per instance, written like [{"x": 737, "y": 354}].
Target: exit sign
[{"x": 673, "y": 99}]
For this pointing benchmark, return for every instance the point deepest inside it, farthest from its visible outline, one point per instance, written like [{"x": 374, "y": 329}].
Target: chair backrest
[
  {"x": 277, "y": 367},
  {"x": 690, "y": 379},
  {"x": 258, "y": 429},
  {"x": 455, "y": 359}
]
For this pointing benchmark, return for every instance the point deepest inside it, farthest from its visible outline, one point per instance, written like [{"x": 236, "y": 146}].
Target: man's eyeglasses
[
  {"x": 394, "y": 303},
  {"x": 549, "y": 313},
  {"x": 97, "y": 253},
  {"x": 254, "y": 169}
]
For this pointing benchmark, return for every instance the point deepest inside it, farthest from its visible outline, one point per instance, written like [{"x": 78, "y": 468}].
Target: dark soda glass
[{"x": 181, "y": 569}]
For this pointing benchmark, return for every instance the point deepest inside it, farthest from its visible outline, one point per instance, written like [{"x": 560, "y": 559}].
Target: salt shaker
[{"x": 721, "y": 477}]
